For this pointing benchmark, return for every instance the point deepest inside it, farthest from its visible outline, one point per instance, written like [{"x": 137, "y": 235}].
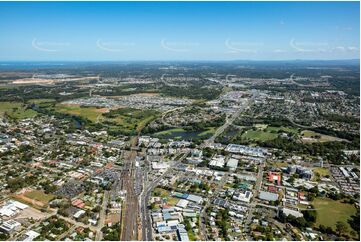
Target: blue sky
[{"x": 81, "y": 31}]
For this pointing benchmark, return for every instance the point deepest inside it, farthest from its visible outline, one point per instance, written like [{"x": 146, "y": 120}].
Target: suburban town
[
  {"x": 150, "y": 161},
  {"x": 180, "y": 120}
]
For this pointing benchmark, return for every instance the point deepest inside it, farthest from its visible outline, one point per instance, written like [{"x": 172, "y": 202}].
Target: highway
[{"x": 229, "y": 121}]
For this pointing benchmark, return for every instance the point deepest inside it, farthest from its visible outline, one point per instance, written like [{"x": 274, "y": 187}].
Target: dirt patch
[
  {"x": 113, "y": 218},
  {"x": 29, "y": 200},
  {"x": 33, "y": 81},
  {"x": 30, "y": 212},
  {"x": 102, "y": 110}
]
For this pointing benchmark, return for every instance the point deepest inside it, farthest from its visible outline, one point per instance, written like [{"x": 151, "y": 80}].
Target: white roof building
[
  {"x": 232, "y": 163},
  {"x": 79, "y": 214},
  {"x": 287, "y": 211},
  {"x": 31, "y": 235},
  {"x": 243, "y": 196},
  {"x": 195, "y": 198},
  {"x": 9, "y": 226},
  {"x": 217, "y": 161},
  {"x": 269, "y": 196},
  {"x": 182, "y": 203},
  {"x": 159, "y": 165},
  {"x": 11, "y": 208}
]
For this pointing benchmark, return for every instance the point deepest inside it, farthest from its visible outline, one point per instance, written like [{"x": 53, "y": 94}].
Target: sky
[{"x": 126, "y": 31}]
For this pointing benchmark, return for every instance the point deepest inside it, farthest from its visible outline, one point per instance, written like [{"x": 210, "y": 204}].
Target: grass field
[
  {"x": 322, "y": 171},
  {"x": 209, "y": 131},
  {"x": 90, "y": 113},
  {"x": 258, "y": 135},
  {"x": 330, "y": 211},
  {"x": 266, "y": 133},
  {"x": 123, "y": 119},
  {"x": 172, "y": 201},
  {"x": 280, "y": 164},
  {"x": 282, "y": 129},
  {"x": 39, "y": 196},
  {"x": 180, "y": 133},
  {"x": 16, "y": 110},
  {"x": 311, "y": 136},
  {"x": 131, "y": 119},
  {"x": 170, "y": 131},
  {"x": 160, "y": 192},
  {"x": 40, "y": 101}
]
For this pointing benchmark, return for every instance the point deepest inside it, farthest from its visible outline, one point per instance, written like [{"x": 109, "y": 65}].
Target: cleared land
[
  {"x": 258, "y": 135},
  {"x": 330, "y": 211},
  {"x": 322, "y": 171},
  {"x": 16, "y": 110},
  {"x": 164, "y": 194},
  {"x": 280, "y": 164},
  {"x": 311, "y": 136},
  {"x": 90, "y": 113},
  {"x": 123, "y": 119},
  {"x": 39, "y": 196},
  {"x": 282, "y": 129},
  {"x": 130, "y": 119}
]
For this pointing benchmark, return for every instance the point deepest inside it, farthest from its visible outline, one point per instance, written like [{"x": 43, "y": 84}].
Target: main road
[
  {"x": 102, "y": 215},
  {"x": 145, "y": 216},
  {"x": 144, "y": 211}
]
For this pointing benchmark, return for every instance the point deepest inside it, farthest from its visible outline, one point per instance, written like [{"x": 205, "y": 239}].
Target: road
[
  {"x": 19, "y": 235},
  {"x": 169, "y": 111},
  {"x": 255, "y": 191},
  {"x": 77, "y": 224},
  {"x": 144, "y": 211},
  {"x": 102, "y": 215},
  {"x": 229, "y": 121},
  {"x": 145, "y": 216},
  {"x": 202, "y": 226},
  {"x": 66, "y": 233}
]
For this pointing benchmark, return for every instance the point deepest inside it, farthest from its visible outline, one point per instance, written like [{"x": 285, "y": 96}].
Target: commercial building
[
  {"x": 11, "y": 208},
  {"x": 268, "y": 196},
  {"x": 218, "y": 161},
  {"x": 9, "y": 226},
  {"x": 232, "y": 164},
  {"x": 243, "y": 196}
]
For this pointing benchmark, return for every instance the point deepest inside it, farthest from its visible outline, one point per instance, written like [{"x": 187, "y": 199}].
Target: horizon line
[{"x": 175, "y": 60}]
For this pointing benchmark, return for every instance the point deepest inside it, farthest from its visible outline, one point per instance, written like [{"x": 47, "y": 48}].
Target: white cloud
[
  {"x": 352, "y": 48},
  {"x": 340, "y": 48},
  {"x": 279, "y": 51},
  {"x": 241, "y": 47}
]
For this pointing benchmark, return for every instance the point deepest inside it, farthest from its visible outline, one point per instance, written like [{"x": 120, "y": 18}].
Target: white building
[
  {"x": 217, "y": 161},
  {"x": 11, "y": 208},
  {"x": 244, "y": 196},
  {"x": 31, "y": 235},
  {"x": 232, "y": 164},
  {"x": 159, "y": 165},
  {"x": 9, "y": 226},
  {"x": 182, "y": 203},
  {"x": 195, "y": 198},
  {"x": 295, "y": 213}
]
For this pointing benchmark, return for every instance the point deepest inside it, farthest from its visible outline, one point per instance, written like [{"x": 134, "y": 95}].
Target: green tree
[{"x": 341, "y": 228}]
